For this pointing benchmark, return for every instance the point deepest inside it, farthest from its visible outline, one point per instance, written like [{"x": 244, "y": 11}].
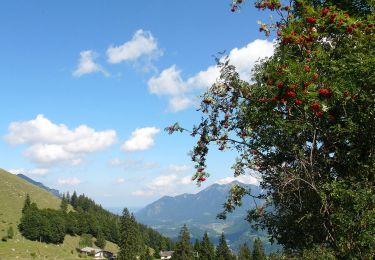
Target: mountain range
[
  {"x": 168, "y": 214},
  {"x": 40, "y": 185}
]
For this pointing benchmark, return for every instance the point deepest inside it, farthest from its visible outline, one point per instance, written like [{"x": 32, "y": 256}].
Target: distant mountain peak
[{"x": 40, "y": 185}]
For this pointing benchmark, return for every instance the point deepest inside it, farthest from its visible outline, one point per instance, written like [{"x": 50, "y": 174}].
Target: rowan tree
[{"x": 305, "y": 123}]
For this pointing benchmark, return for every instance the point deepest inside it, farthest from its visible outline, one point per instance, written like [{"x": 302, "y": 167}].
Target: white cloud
[
  {"x": 246, "y": 179},
  {"x": 169, "y": 82},
  {"x": 120, "y": 181},
  {"x": 180, "y": 91},
  {"x": 133, "y": 164},
  {"x": 86, "y": 64},
  {"x": 174, "y": 168},
  {"x": 245, "y": 58},
  {"x": 163, "y": 182},
  {"x": 141, "y": 139},
  {"x": 143, "y": 193},
  {"x": 73, "y": 181},
  {"x": 180, "y": 103},
  {"x": 142, "y": 44},
  {"x": 35, "y": 171},
  {"x": 48, "y": 143},
  {"x": 186, "y": 180}
]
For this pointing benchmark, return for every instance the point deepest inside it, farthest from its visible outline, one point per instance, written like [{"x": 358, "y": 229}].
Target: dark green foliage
[
  {"x": 100, "y": 240},
  {"x": 88, "y": 218},
  {"x": 222, "y": 250},
  {"x": 147, "y": 254},
  {"x": 305, "y": 123},
  {"x": 44, "y": 225},
  {"x": 64, "y": 204},
  {"x": 206, "y": 249},
  {"x": 73, "y": 200},
  {"x": 244, "y": 253},
  {"x": 26, "y": 204},
  {"x": 184, "y": 249},
  {"x": 130, "y": 242},
  {"x": 258, "y": 251},
  {"x": 86, "y": 240},
  {"x": 10, "y": 232}
]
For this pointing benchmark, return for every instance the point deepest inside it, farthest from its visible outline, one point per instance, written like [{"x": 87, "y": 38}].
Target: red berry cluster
[{"x": 271, "y": 5}]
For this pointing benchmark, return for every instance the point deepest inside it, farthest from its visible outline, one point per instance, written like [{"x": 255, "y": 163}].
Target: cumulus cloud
[
  {"x": 35, "y": 171},
  {"x": 73, "y": 181},
  {"x": 141, "y": 139},
  {"x": 48, "y": 143},
  {"x": 180, "y": 91},
  {"x": 164, "y": 184},
  {"x": 169, "y": 82},
  {"x": 87, "y": 65},
  {"x": 142, "y": 44},
  {"x": 245, "y": 179}
]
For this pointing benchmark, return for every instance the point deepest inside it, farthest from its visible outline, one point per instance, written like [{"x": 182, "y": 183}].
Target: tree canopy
[{"x": 305, "y": 123}]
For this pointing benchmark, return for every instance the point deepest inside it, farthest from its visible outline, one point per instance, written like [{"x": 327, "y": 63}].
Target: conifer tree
[
  {"x": 258, "y": 251},
  {"x": 184, "y": 249},
  {"x": 27, "y": 203},
  {"x": 74, "y": 200},
  {"x": 64, "y": 204},
  {"x": 131, "y": 244},
  {"x": 100, "y": 240},
  {"x": 197, "y": 248},
  {"x": 222, "y": 251},
  {"x": 207, "y": 249},
  {"x": 244, "y": 253}
]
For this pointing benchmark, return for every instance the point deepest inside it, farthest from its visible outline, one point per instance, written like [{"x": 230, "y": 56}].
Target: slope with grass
[{"x": 13, "y": 192}]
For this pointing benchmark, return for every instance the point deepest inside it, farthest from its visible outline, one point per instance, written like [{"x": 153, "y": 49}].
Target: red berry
[
  {"x": 298, "y": 102},
  {"x": 319, "y": 114},
  {"x": 325, "y": 11},
  {"x": 280, "y": 85},
  {"x": 279, "y": 33},
  {"x": 291, "y": 94},
  {"x": 315, "y": 106},
  {"x": 323, "y": 91},
  {"x": 201, "y": 179},
  {"x": 307, "y": 68},
  {"x": 311, "y": 20}
]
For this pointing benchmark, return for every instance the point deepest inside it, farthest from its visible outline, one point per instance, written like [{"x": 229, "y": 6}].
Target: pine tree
[
  {"x": 244, "y": 253},
  {"x": 184, "y": 249},
  {"x": 197, "y": 248},
  {"x": 258, "y": 251},
  {"x": 27, "y": 203},
  {"x": 131, "y": 244},
  {"x": 64, "y": 204},
  {"x": 100, "y": 240},
  {"x": 68, "y": 197},
  {"x": 207, "y": 249},
  {"x": 74, "y": 200},
  {"x": 222, "y": 251}
]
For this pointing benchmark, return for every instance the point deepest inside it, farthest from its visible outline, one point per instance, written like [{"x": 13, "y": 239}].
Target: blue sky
[{"x": 88, "y": 86}]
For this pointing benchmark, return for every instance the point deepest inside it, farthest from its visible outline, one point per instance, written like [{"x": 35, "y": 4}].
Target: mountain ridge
[
  {"x": 199, "y": 212},
  {"x": 40, "y": 185}
]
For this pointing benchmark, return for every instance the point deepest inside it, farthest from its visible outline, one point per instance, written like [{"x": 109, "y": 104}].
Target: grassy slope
[{"x": 13, "y": 191}]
